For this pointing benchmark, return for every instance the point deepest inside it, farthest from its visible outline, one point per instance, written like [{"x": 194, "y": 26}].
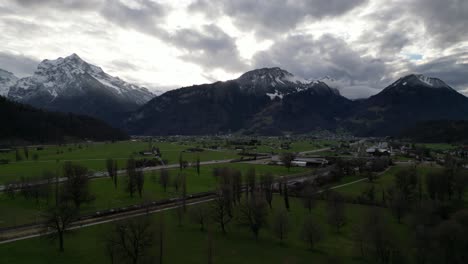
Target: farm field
[
  {"x": 107, "y": 196},
  {"x": 94, "y": 155},
  {"x": 187, "y": 244}
]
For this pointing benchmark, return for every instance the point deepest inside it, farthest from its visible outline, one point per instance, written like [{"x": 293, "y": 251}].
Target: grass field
[
  {"x": 106, "y": 196},
  {"x": 94, "y": 156},
  {"x": 384, "y": 181},
  {"x": 438, "y": 146},
  {"x": 187, "y": 244},
  {"x": 295, "y": 146}
]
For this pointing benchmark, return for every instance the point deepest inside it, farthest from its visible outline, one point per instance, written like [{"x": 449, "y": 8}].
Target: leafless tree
[
  {"x": 58, "y": 220},
  {"x": 210, "y": 248},
  {"x": 220, "y": 214},
  {"x": 139, "y": 181},
  {"x": 253, "y": 213},
  {"x": 26, "y": 152},
  {"x": 237, "y": 185},
  {"x": 199, "y": 215},
  {"x": 111, "y": 166},
  {"x": 376, "y": 238},
  {"x": 251, "y": 181},
  {"x": 131, "y": 176},
  {"x": 286, "y": 194},
  {"x": 266, "y": 183},
  {"x": 281, "y": 226},
  {"x": 132, "y": 240},
  {"x": 397, "y": 202},
  {"x": 287, "y": 159},
  {"x": 311, "y": 232},
  {"x": 164, "y": 179},
  {"x": 335, "y": 210},
  {"x": 184, "y": 192},
  {"x": 76, "y": 188},
  {"x": 309, "y": 194}
]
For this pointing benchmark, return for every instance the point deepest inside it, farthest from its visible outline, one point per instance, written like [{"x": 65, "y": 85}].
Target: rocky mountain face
[
  {"x": 7, "y": 80},
  {"x": 72, "y": 85},
  {"x": 409, "y": 100},
  {"x": 265, "y": 101}
]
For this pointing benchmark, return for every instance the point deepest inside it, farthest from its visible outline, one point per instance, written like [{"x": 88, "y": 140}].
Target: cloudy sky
[{"x": 365, "y": 44}]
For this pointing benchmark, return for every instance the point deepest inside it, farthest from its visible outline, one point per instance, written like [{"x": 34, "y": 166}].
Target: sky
[{"x": 363, "y": 44}]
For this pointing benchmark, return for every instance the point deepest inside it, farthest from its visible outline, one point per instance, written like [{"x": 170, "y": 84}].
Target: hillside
[
  {"x": 25, "y": 123},
  {"x": 438, "y": 131}
]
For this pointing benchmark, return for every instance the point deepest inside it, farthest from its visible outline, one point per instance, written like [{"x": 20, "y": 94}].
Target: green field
[
  {"x": 382, "y": 182},
  {"x": 187, "y": 244},
  {"x": 23, "y": 211},
  {"x": 94, "y": 156}
]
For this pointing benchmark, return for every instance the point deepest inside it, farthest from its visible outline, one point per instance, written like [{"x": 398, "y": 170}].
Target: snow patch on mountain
[{"x": 7, "y": 80}]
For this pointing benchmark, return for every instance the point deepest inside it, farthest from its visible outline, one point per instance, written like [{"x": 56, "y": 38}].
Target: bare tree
[
  {"x": 286, "y": 194},
  {"x": 210, "y": 248},
  {"x": 460, "y": 182},
  {"x": 376, "y": 238},
  {"x": 197, "y": 163},
  {"x": 161, "y": 238},
  {"x": 181, "y": 162},
  {"x": 335, "y": 210},
  {"x": 58, "y": 220},
  {"x": 111, "y": 166},
  {"x": 287, "y": 159},
  {"x": 281, "y": 226},
  {"x": 220, "y": 212},
  {"x": 139, "y": 181},
  {"x": 397, "y": 202},
  {"x": 76, "y": 188},
  {"x": 199, "y": 215},
  {"x": 250, "y": 180},
  {"x": 266, "y": 183},
  {"x": 184, "y": 192},
  {"x": 26, "y": 152},
  {"x": 177, "y": 182},
  {"x": 311, "y": 232},
  {"x": 132, "y": 240},
  {"x": 164, "y": 179},
  {"x": 237, "y": 186},
  {"x": 18, "y": 156},
  {"x": 309, "y": 196},
  {"x": 131, "y": 176},
  {"x": 253, "y": 213}
]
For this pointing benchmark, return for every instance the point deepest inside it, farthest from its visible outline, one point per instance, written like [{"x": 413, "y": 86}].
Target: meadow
[{"x": 22, "y": 211}]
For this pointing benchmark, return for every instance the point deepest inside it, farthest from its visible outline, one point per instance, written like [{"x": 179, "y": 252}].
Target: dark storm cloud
[
  {"x": 269, "y": 17},
  {"x": 451, "y": 69},
  {"x": 445, "y": 21},
  {"x": 209, "y": 47},
  {"x": 19, "y": 65},
  {"x": 314, "y": 58}
]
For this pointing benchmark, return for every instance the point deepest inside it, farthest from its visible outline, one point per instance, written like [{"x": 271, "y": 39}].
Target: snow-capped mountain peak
[
  {"x": 277, "y": 83},
  {"x": 71, "y": 76},
  {"x": 7, "y": 80},
  {"x": 421, "y": 81}
]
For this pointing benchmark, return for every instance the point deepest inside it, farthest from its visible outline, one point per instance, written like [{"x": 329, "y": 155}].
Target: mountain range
[
  {"x": 272, "y": 101},
  {"x": 72, "y": 85},
  {"x": 267, "y": 101}
]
